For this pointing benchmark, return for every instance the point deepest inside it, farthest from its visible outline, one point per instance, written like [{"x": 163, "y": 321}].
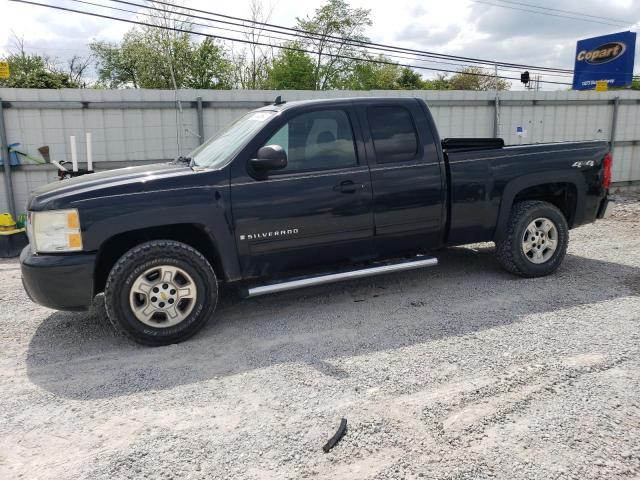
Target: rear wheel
[
  {"x": 161, "y": 292},
  {"x": 536, "y": 239}
]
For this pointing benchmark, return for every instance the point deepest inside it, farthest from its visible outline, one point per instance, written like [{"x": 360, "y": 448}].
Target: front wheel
[
  {"x": 536, "y": 239},
  {"x": 161, "y": 292}
]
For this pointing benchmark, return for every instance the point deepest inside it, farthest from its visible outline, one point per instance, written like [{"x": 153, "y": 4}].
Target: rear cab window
[{"x": 393, "y": 133}]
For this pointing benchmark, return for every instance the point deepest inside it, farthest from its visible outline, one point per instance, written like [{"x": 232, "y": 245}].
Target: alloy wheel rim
[
  {"x": 540, "y": 240},
  {"x": 163, "y": 296}
]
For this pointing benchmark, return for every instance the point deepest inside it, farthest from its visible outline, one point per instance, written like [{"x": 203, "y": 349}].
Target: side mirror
[{"x": 270, "y": 157}]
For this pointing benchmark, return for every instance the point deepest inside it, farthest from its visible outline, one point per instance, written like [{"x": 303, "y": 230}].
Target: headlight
[{"x": 54, "y": 231}]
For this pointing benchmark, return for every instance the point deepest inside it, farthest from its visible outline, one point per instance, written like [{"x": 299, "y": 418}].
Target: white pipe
[
  {"x": 60, "y": 167},
  {"x": 89, "y": 153},
  {"x": 74, "y": 153}
]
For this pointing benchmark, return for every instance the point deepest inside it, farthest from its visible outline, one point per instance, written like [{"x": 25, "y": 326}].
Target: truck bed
[{"x": 478, "y": 177}]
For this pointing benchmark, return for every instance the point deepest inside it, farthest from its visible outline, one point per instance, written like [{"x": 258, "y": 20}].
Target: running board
[{"x": 338, "y": 277}]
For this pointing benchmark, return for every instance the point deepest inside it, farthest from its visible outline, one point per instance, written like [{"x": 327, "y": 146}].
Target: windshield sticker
[{"x": 260, "y": 116}]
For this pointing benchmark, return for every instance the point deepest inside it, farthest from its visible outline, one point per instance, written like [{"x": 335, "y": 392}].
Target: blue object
[
  {"x": 13, "y": 155},
  {"x": 609, "y": 58}
]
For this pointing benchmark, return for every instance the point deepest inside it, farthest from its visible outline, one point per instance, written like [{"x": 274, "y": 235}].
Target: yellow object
[
  {"x": 602, "y": 86},
  {"x": 73, "y": 222},
  {"x": 75, "y": 240},
  {"x": 13, "y": 231},
  {"x": 7, "y": 222},
  {"x": 4, "y": 70}
]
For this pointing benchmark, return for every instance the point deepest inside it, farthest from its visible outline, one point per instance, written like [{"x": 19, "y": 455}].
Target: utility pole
[
  {"x": 6, "y": 165},
  {"x": 496, "y": 105}
]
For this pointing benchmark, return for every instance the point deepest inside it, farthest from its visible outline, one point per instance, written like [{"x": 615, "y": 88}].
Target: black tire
[
  {"x": 509, "y": 250},
  {"x": 148, "y": 256}
]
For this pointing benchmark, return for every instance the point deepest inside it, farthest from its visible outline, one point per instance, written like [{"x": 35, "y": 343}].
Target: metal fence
[{"x": 131, "y": 127}]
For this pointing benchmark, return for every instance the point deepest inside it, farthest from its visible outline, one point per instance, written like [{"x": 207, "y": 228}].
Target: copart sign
[{"x": 608, "y": 58}]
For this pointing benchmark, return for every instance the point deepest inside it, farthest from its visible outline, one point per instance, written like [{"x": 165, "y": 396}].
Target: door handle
[{"x": 348, "y": 186}]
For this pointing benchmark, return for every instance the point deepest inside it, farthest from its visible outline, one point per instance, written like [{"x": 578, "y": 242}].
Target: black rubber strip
[{"x": 342, "y": 429}]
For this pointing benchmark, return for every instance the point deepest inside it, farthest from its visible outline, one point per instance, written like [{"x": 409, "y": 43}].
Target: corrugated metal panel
[{"x": 137, "y": 134}]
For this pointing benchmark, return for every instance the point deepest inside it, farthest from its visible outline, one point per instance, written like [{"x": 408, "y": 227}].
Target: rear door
[
  {"x": 406, "y": 176},
  {"x": 318, "y": 210}
]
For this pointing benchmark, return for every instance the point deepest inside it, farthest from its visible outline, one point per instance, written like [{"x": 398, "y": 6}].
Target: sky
[{"x": 471, "y": 28}]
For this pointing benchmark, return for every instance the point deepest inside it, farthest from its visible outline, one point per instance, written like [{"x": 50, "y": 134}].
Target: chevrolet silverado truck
[{"x": 298, "y": 194}]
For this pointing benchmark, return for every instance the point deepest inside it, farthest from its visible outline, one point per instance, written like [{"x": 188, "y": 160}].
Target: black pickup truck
[{"x": 297, "y": 194}]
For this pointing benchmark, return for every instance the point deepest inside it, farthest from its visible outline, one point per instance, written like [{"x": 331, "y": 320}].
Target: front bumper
[
  {"x": 62, "y": 282},
  {"x": 606, "y": 208}
]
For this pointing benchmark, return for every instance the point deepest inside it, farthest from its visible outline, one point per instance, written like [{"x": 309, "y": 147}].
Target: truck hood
[{"x": 121, "y": 180}]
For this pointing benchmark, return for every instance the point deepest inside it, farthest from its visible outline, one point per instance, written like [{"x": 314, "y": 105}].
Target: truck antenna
[{"x": 279, "y": 100}]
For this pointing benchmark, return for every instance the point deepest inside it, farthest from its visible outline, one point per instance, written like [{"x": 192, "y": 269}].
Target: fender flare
[
  {"x": 215, "y": 221},
  {"x": 519, "y": 184}
]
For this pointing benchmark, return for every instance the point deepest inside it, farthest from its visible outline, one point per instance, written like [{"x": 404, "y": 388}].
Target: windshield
[{"x": 219, "y": 149}]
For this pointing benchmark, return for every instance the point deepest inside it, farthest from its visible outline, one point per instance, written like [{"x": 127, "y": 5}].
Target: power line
[
  {"x": 485, "y": 2},
  {"x": 334, "y": 39},
  {"x": 350, "y": 41},
  {"x": 243, "y": 32},
  {"x": 283, "y": 47},
  {"x": 354, "y": 41},
  {"x": 542, "y": 7},
  {"x": 269, "y": 36}
]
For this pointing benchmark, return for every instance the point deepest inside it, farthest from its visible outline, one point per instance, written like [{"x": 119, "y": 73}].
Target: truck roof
[{"x": 341, "y": 100}]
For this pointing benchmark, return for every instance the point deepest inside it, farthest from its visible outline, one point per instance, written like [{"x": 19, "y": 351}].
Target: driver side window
[{"x": 317, "y": 141}]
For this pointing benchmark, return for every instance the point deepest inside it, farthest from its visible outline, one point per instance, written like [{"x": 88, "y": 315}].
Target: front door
[{"x": 316, "y": 211}]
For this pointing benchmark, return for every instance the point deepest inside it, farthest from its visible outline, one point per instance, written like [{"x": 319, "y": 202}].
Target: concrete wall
[{"x": 136, "y": 126}]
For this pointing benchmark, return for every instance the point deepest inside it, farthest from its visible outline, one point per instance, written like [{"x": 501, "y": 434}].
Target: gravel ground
[{"x": 459, "y": 371}]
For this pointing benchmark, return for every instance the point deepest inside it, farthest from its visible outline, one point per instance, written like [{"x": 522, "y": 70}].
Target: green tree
[
  {"x": 149, "y": 58},
  {"x": 335, "y": 25},
  {"x": 34, "y": 71},
  {"x": 38, "y": 71},
  {"x": 382, "y": 76},
  {"x": 441, "y": 82},
  {"x": 372, "y": 76},
  {"x": 410, "y": 80},
  {"x": 210, "y": 67},
  {"x": 476, "y": 78},
  {"x": 252, "y": 61},
  {"x": 635, "y": 85},
  {"x": 117, "y": 64},
  {"x": 291, "y": 70}
]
